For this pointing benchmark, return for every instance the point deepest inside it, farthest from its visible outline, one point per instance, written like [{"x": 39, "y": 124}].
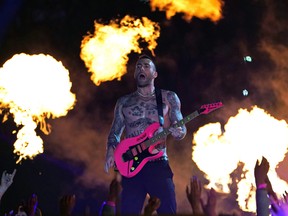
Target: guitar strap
[{"x": 159, "y": 105}]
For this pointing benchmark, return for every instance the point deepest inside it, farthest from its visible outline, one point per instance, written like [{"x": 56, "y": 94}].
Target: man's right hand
[{"x": 109, "y": 159}]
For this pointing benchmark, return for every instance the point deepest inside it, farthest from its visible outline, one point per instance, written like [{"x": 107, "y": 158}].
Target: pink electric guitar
[{"x": 133, "y": 153}]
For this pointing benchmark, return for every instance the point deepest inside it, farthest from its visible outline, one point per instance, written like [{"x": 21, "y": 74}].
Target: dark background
[{"x": 200, "y": 59}]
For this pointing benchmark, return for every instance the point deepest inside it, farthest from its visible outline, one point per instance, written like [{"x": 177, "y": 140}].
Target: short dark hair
[{"x": 145, "y": 56}]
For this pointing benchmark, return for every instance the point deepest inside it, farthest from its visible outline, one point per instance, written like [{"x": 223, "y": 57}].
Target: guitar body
[{"x": 131, "y": 154}]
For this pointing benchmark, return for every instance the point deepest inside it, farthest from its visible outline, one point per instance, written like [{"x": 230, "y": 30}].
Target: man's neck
[{"x": 146, "y": 91}]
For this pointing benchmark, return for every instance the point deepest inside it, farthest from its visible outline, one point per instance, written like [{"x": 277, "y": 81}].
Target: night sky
[{"x": 201, "y": 60}]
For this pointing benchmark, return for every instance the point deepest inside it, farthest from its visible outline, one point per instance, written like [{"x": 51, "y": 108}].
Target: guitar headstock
[{"x": 207, "y": 108}]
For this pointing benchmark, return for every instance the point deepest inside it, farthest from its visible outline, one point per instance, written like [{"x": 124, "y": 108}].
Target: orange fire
[
  {"x": 105, "y": 52},
  {"x": 200, "y": 8},
  {"x": 248, "y": 136},
  {"x": 33, "y": 88}
]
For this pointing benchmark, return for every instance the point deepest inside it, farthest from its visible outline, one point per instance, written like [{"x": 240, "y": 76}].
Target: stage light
[{"x": 247, "y": 58}]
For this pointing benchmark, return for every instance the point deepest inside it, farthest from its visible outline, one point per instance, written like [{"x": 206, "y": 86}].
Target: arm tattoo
[
  {"x": 117, "y": 126},
  {"x": 175, "y": 111}
]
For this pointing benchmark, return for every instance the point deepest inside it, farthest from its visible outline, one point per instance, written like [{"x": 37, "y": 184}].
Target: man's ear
[{"x": 155, "y": 74}]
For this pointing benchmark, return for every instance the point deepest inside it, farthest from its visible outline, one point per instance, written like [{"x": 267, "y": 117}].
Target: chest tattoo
[
  {"x": 142, "y": 109},
  {"x": 140, "y": 125},
  {"x": 139, "y": 114},
  {"x": 136, "y": 111}
]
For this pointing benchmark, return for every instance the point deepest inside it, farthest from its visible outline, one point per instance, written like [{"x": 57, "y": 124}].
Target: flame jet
[
  {"x": 33, "y": 88},
  {"x": 248, "y": 136},
  {"x": 202, "y": 9},
  {"x": 105, "y": 52}
]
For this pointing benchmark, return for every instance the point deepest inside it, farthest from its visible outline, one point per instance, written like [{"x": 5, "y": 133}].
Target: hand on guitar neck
[{"x": 177, "y": 132}]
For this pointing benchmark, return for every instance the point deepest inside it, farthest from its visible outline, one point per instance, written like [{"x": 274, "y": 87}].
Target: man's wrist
[
  {"x": 2, "y": 190},
  {"x": 112, "y": 198},
  {"x": 180, "y": 136},
  {"x": 197, "y": 208},
  {"x": 262, "y": 186},
  {"x": 110, "y": 203}
]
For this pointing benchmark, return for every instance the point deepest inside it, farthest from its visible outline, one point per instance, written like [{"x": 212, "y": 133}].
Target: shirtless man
[{"x": 134, "y": 113}]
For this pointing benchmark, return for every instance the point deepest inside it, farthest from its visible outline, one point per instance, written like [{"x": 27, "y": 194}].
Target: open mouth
[{"x": 141, "y": 77}]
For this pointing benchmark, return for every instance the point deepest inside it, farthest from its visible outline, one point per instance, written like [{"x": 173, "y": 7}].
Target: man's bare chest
[{"x": 140, "y": 109}]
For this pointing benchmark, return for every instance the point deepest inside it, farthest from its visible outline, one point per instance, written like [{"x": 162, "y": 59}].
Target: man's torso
[{"x": 141, "y": 112}]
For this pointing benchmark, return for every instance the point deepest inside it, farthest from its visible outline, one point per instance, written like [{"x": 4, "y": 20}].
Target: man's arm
[
  {"x": 175, "y": 115},
  {"x": 114, "y": 134}
]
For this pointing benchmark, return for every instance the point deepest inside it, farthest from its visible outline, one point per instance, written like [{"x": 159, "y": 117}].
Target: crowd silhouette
[{"x": 267, "y": 201}]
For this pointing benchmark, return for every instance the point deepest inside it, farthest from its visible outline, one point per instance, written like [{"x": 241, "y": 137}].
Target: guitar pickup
[{"x": 127, "y": 156}]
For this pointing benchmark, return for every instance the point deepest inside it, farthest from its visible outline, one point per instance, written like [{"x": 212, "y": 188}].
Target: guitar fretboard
[{"x": 166, "y": 131}]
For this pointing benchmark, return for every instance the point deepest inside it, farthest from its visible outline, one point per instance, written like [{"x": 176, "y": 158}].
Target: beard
[
  {"x": 144, "y": 82},
  {"x": 142, "y": 85}
]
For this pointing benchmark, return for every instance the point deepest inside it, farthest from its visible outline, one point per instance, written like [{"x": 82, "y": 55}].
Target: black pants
[{"x": 155, "y": 179}]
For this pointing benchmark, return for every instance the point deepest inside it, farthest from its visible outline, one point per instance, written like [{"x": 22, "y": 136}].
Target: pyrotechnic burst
[
  {"x": 190, "y": 8},
  {"x": 105, "y": 53},
  {"x": 33, "y": 88},
  {"x": 248, "y": 136}
]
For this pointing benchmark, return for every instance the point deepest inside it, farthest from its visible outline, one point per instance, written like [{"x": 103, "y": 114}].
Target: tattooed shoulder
[
  {"x": 128, "y": 100},
  {"x": 171, "y": 98}
]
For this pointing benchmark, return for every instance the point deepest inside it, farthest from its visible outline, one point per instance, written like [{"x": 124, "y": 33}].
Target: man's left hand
[{"x": 177, "y": 132}]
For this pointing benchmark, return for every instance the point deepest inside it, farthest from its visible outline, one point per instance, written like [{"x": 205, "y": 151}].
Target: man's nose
[{"x": 141, "y": 68}]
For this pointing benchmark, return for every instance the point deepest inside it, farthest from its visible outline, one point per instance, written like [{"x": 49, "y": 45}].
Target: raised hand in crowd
[
  {"x": 31, "y": 206},
  {"x": 109, "y": 206},
  {"x": 193, "y": 194},
  {"x": 261, "y": 177},
  {"x": 67, "y": 204},
  {"x": 260, "y": 172},
  {"x": 114, "y": 190},
  {"x": 153, "y": 204},
  {"x": 210, "y": 207},
  {"x": 261, "y": 180},
  {"x": 6, "y": 181},
  {"x": 279, "y": 206}
]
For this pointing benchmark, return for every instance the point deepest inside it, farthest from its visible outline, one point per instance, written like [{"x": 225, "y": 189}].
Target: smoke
[{"x": 81, "y": 138}]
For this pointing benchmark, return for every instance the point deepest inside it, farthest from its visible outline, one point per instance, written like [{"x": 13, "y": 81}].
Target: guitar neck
[{"x": 166, "y": 131}]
